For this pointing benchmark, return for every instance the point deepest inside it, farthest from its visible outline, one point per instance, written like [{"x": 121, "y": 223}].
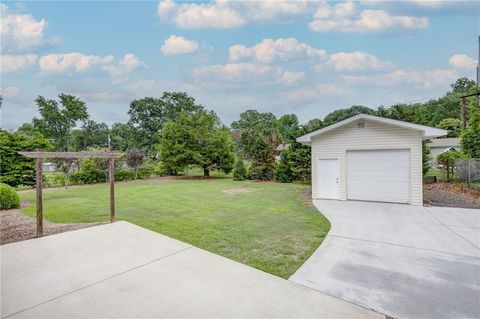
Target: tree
[
  {"x": 66, "y": 165},
  {"x": 470, "y": 138},
  {"x": 342, "y": 114},
  {"x": 257, "y": 139},
  {"x": 295, "y": 164},
  {"x": 453, "y": 126},
  {"x": 462, "y": 86},
  {"x": 134, "y": 158},
  {"x": 288, "y": 128},
  {"x": 15, "y": 168},
  {"x": 426, "y": 158},
  {"x": 149, "y": 115},
  {"x": 122, "y": 137},
  {"x": 196, "y": 139},
  {"x": 56, "y": 121},
  {"x": 92, "y": 134},
  {"x": 448, "y": 158},
  {"x": 311, "y": 126},
  {"x": 239, "y": 169}
]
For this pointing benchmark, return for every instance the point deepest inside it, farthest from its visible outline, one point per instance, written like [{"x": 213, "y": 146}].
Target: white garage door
[{"x": 379, "y": 175}]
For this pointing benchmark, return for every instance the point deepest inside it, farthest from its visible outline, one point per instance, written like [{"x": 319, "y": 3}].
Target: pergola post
[
  {"x": 39, "y": 200},
  {"x": 39, "y": 155},
  {"x": 111, "y": 171}
]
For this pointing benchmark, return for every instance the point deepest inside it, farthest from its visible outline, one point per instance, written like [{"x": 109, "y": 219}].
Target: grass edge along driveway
[{"x": 262, "y": 224}]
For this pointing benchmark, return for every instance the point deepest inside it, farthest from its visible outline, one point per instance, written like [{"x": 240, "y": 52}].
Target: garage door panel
[{"x": 379, "y": 175}]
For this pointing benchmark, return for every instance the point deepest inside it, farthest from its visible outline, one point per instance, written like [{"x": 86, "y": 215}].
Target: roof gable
[{"x": 427, "y": 131}]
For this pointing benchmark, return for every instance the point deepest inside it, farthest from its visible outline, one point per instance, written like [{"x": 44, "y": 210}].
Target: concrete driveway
[
  {"x": 124, "y": 271},
  {"x": 404, "y": 261}
]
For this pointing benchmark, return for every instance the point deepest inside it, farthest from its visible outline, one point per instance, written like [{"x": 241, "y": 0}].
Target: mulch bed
[
  {"x": 451, "y": 195},
  {"x": 16, "y": 226}
]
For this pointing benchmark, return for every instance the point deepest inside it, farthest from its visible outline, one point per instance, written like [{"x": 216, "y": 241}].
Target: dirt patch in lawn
[
  {"x": 235, "y": 191},
  {"x": 451, "y": 195},
  {"x": 16, "y": 226}
]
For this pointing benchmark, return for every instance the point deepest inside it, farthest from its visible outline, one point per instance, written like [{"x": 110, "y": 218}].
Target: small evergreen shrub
[
  {"x": 124, "y": 175},
  {"x": 8, "y": 197},
  {"x": 146, "y": 170},
  {"x": 239, "y": 170}
]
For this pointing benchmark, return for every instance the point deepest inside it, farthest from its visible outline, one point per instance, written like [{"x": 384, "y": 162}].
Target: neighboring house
[
  {"x": 369, "y": 158},
  {"x": 49, "y": 167},
  {"x": 441, "y": 145}
]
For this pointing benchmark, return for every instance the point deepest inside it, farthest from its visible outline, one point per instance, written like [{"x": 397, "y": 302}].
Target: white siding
[{"x": 334, "y": 144}]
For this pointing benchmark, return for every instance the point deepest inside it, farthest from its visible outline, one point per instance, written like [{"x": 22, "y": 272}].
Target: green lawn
[{"x": 271, "y": 229}]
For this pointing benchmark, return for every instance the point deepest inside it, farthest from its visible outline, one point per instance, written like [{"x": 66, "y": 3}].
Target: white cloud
[
  {"x": 289, "y": 77},
  {"x": 404, "y": 78},
  {"x": 343, "y": 17},
  {"x": 316, "y": 92},
  {"x": 20, "y": 32},
  {"x": 175, "y": 45},
  {"x": 354, "y": 61},
  {"x": 235, "y": 71},
  {"x": 11, "y": 91},
  {"x": 462, "y": 61},
  {"x": 269, "y": 50},
  {"x": 15, "y": 63},
  {"x": 125, "y": 66},
  {"x": 58, "y": 63},
  {"x": 222, "y": 14}
]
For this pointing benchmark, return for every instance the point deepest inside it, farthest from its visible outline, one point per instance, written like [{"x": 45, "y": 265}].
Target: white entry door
[
  {"x": 327, "y": 178},
  {"x": 379, "y": 175}
]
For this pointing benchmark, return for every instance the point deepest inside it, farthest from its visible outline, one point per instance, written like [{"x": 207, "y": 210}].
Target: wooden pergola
[{"x": 39, "y": 156}]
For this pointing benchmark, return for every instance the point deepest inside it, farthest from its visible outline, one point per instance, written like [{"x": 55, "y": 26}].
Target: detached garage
[{"x": 369, "y": 158}]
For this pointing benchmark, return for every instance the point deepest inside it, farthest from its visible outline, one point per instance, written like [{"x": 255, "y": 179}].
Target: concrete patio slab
[
  {"x": 124, "y": 271},
  {"x": 404, "y": 261}
]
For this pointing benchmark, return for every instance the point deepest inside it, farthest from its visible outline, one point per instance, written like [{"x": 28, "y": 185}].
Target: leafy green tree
[
  {"x": 92, "y": 134},
  {"x": 342, "y": 114},
  {"x": 462, "y": 86},
  {"x": 453, "y": 126},
  {"x": 311, "y": 126},
  {"x": 257, "y": 139},
  {"x": 295, "y": 164},
  {"x": 447, "y": 159},
  {"x": 239, "y": 169},
  {"x": 149, "y": 115},
  {"x": 196, "y": 139},
  {"x": 288, "y": 128},
  {"x": 56, "y": 121},
  {"x": 16, "y": 169},
  {"x": 470, "y": 137},
  {"x": 122, "y": 137}
]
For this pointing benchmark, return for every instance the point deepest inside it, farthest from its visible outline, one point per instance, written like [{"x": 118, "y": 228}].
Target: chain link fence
[{"x": 468, "y": 170}]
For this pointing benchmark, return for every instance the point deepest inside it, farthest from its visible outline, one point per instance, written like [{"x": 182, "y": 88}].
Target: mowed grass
[{"x": 271, "y": 228}]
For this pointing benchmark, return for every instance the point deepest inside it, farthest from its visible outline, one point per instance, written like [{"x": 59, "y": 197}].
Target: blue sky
[{"x": 302, "y": 57}]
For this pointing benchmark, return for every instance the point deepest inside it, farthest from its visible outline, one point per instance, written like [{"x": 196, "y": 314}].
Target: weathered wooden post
[
  {"x": 111, "y": 171},
  {"x": 39, "y": 201}
]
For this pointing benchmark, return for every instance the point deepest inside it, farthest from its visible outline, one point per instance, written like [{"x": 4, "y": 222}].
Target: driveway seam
[
  {"x": 97, "y": 282},
  {"x": 404, "y": 246},
  {"x": 451, "y": 229}
]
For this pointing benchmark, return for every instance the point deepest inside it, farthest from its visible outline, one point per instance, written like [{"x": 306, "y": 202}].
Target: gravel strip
[
  {"x": 450, "y": 195},
  {"x": 16, "y": 226}
]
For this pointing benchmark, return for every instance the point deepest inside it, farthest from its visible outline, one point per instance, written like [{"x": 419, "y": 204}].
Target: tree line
[{"x": 169, "y": 134}]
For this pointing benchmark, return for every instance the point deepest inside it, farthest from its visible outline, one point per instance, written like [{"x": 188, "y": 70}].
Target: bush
[
  {"x": 89, "y": 174},
  {"x": 53, "y": 180},
  {"x": 239, "y": 170},
  {"x": 146, "y": 170},
  {"x": 124, "y": 175},
  {"x": 8, "y": 197},
  {"x": 284, "y": 171}
]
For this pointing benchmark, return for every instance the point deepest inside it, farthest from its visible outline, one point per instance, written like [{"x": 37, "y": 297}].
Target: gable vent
[{"x": 360, "y": 124}]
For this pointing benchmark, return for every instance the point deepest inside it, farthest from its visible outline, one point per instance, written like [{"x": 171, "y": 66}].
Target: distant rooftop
[{"x": 445, "y": 142}]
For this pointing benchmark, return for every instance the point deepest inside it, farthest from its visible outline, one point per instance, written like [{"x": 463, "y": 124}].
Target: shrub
[
  {"x": 53, "y": 179},
  {"x": 89, "y": 174},
  {"x": 8, "y": 197},
  {"x": 239, "y": 170},
  {"x": 146, "y": 170},
  {"x": 124, "y": 175},
  {"x": 284, "y": 171}
]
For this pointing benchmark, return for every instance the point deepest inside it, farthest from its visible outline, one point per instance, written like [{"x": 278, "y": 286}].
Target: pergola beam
[{"x": 70, "y": 154}]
